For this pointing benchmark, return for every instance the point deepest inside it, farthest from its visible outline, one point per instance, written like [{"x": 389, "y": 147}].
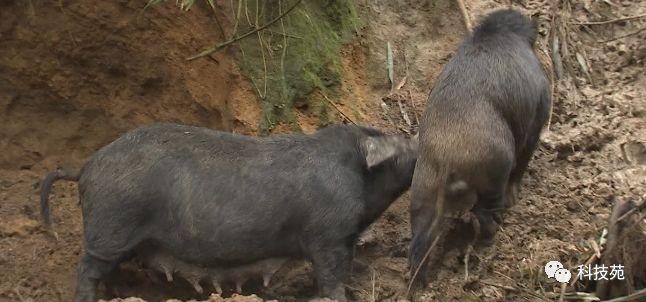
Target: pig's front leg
[{"x": 331, "y": 265}]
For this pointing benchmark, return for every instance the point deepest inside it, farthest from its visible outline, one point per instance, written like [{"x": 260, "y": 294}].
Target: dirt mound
[{"x": 100, "y": 69}]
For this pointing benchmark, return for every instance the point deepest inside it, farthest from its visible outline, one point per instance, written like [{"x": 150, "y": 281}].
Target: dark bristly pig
[
  {"x": 479, "y": 130},
  {"x": 215, "y": 199}
]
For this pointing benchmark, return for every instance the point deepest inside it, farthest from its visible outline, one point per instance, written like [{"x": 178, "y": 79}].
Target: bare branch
[
  {"x": 609, "y": 21},
  {"x": 236, "y": 39}
]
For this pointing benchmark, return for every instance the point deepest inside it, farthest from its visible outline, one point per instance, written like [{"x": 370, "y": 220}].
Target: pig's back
[{"x": 161, "y": 161}]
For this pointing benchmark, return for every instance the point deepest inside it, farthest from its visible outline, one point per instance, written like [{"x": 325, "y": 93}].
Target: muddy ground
[{"x": 74, "y": 75}]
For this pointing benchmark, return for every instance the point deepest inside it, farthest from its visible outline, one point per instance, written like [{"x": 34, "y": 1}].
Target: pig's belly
[{"x": 217, "y": 240}]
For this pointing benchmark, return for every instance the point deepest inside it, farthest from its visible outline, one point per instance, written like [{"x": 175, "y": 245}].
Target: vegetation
[{"x": 295, "y": 56}]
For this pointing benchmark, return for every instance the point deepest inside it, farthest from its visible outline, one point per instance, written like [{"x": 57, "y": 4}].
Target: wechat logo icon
[{"x": 554, "y": 269}]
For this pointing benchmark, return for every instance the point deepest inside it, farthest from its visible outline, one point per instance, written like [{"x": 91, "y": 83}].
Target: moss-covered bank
[{"x": 295, "y": 56}]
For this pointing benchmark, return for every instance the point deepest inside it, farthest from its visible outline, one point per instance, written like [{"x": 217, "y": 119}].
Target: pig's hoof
[
  {"x": 198, "y": 288},
  {"x": 218, "y": 288},
  {"x": 169, "y": 276},
  {"x": 266, "y": 280},
  {"x": 338, "y": 294},
  {"x": 497, "y": 217},
  {"x": 486, "y": 241}
]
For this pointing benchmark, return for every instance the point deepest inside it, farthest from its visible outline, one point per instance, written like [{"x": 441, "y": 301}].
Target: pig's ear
[{"x": 377, "y": 150}]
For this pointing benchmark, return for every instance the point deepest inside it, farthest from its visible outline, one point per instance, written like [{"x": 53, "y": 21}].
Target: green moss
[{"x": 287, "y": 68}]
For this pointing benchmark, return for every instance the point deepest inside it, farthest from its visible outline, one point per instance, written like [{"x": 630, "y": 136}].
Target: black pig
[
  {"x": 479, "y": 130},
  {"x": 217, "y": 199}
]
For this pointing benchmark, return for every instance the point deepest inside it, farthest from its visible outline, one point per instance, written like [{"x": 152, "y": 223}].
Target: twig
[
  {"x": 401, "y": 83},
  {"x": 337, "y": 108},
  {"x": 475, "y": 223},
  {"x": 503, "y": 275},
  {"x": 596, "y": 248},
  {"x": 17, "y": 290},
  {"x": 465, "y": 15},
  {"x": 412, "y": 102},
  {"x": 507, "y": 287},
  {"x": 253, "y": 83},
  {"x": 620, "y": 207},
  {"x": 389, "y": 63},
  {"x": 590, "y": 260},
  {"x": 217, "y": 21},
  {"x": 556, "y": 57},
  {"x": 283, "y": 53},
  {"x": 410, "y": 97},
  {"x": 466, "y": 262},
  {"x": 373, "y": 285},
  {"x": 246, "y": 12},
  {"x": 563, "y": 286},
  {"x": 636, "y": 296},
  {"x": 628, "y": 213},
  {"x": 355, "y": 289},
  {"x": 581, "y": 296},
  {"x": 236, "y": 39},
  {"x": 609, "y": 21},
  {"x": 624, "y": 36},
  {"x": 237, "y": 14},
  {"x": 419, "y": 266},
  {"x": 20, "y": 297},
  {"x": 386, "y": 111},
  {"x": 584, "y": 65},
  {"x": 31, "y": 10},
  {"x": 403, "y": 113},
  {"x": 59, "y": 292},
  {"x": 262, "y": 51},
  {"x": 405, "y": 61},
  {"x": 519, "y": 287},
  {"x": 285, "y": 34},
  {"x": 533, "y": 294}
]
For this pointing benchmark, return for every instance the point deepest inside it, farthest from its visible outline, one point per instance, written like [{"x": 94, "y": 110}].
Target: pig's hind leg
[
  {"x": 90, "y": 271},
  {"x": 488, "y": 210},
  {"x": 525, "y": 155},
  {"x": 522, "y": 162}
]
